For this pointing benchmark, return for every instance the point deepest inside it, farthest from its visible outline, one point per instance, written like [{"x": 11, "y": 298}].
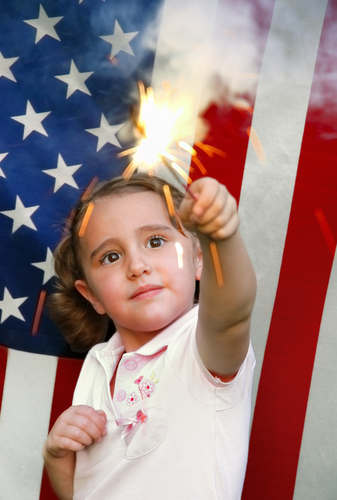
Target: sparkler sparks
[
  {"x": 180, "y": 252},
  {"x": 158, "y": 129},
  {"x": 329, "y": 238},
  {"x": 86, "y": 220},
  {"x": 256, "y": 143},
  {"x": 216, "y": 262},
  {"x": 38, "y": 312}
]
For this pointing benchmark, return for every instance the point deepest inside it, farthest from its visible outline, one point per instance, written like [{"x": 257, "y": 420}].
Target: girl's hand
[
  {"x": 209, "y": 210},
  {"x": 76, "y": 428}
]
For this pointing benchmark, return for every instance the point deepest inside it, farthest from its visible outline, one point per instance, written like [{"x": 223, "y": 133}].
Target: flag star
[
  {"x": 10, "y": 306},
  {"x": 2, "y": 156},
  {"x": 21, "y": 215},
  {"x": 5, "y": 64},
  {"x": 47, "y": 266},
  {"x": 106, "y": 133},
  {"x": 120, "y": 40},
  {"x": 44, "y": 25},
  {"x": 75, "y": 80},
  {"x": 63, "y": 174},
  {"x": 32, "y": 121}
]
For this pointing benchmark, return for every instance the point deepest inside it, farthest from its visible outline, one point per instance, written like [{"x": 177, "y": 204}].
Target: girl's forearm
[
  {"x": 225, "y": 306},
  {"x": 61, "y": 473}
]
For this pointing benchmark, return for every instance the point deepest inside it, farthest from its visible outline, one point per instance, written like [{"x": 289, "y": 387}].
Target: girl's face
[{"x": 130, "y": 262}]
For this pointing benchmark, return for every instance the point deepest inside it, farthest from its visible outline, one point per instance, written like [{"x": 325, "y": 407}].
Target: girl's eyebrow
[{"x": 139, "y": 231}]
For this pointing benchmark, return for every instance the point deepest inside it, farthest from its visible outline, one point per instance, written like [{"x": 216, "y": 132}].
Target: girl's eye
[
  {"x": 155, "y": 242},
  {"x": 110, "y": 258}
]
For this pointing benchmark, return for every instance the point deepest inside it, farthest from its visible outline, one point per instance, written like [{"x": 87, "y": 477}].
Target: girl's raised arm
[{"x": 225, "y": 308}]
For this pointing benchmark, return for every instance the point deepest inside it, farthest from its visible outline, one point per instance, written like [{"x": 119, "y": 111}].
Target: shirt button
[
  {"x": 130, "y": 364},
  {"x": 121, "y": 395}
]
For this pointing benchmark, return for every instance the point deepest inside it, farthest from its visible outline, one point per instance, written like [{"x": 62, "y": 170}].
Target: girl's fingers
[
  {"x": 89, "y": 419},
  {"x": 206, "y": 190}
]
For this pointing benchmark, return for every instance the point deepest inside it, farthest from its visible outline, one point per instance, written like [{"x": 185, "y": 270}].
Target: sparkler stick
[
  {"x": 180, "y": 252},
  {"x": 216, "y": 262},
  {"x": 38, "y": 312},
  {"x": 86, "y": 220}
]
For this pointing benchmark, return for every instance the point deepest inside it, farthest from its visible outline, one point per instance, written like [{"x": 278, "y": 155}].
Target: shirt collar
[{"x": 157, "y": 343}]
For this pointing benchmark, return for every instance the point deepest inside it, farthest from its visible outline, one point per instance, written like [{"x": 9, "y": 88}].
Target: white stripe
[
  {"x": 316, "y": 473},
  {"x": 279, "y": 118},
  {"x": 24, "y": 422},
  {"x": 181, "y": 57}
]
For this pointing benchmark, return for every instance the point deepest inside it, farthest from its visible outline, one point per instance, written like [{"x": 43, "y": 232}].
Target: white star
[
  {"x": 5, "y": 64},
  {"x": 47, "y": 266},
  {"x": 21, "y": 215},
  {"x": 2, "y": 156},
  {"x": 106, "y": 133},
  {"x": 120, "y": 40},
  {"x": 10, "y": 306},
  {"x": 75, "y": 80},
  {"x": 32, "y": 121},
  {"x": 63, "y": 174},
  {"x": 44, "y": 25}
]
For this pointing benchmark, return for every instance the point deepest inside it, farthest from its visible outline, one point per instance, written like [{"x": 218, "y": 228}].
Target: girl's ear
[
  {"x": 198, "y": 261},
  {"x": 82, "y": 287}
]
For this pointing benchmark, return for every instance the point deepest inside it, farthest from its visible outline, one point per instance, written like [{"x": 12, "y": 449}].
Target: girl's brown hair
[{"x": 78, "y": 321}]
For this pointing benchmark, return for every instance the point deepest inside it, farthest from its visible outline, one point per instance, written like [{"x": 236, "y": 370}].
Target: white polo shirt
[{"x": 185, "y": 432}]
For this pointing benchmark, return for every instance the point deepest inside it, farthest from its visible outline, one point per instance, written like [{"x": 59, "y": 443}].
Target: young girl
[{"x": 162, "y": 410}]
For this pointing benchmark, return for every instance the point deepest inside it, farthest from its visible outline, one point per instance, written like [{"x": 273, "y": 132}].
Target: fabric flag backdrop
[{"x": 263, "y": 74}]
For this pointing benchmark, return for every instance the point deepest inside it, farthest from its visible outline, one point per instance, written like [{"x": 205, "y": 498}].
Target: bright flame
[
  {"x": 157, "y": 125},
  {"x": 180, "y": 252}
]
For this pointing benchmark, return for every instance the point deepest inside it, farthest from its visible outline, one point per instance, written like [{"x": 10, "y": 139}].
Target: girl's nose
[{"x": 138, "y": 264}]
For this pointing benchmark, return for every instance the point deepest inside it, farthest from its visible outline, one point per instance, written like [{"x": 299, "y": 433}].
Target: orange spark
[
  {"x": 86, "y": 220},
  {"x": 216, "y": 263},
  {"x": 210, "y": 150},
  {"x": 243, "y": 105},
  {"x": 329, "y": 238},
  {"x": 169, "y": 201},
  {"x": 257, "y": 146},
  {"x": 38, "y": 312},
  {"x": 187, "y": 148},
  {"x": 181, "y": 172},
  {"x": 180, "y": 252},
  {"x": 200, "y": 166},
  {"x": 90, "y": 187}
]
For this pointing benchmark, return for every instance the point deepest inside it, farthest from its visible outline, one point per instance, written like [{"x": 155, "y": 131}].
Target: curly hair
[{"x": 81, "y": 326}]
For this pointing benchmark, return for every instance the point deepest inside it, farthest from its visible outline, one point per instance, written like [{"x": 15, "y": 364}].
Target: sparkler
[{"x": 157, "y": 127}]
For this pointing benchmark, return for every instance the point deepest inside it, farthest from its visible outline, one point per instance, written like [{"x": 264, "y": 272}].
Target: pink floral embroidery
[
  {"x": 147, "y": 388},
  {"x": 138, "y": 380},
  {"x": 132, "y": 399}
]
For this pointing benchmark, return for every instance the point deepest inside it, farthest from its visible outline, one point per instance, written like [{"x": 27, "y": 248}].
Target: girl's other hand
[
  {"x": 76, "y": 428},
  {"x": 209, "y": 210}
]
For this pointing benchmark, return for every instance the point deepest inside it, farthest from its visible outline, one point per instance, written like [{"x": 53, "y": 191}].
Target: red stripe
[
  {"x": 290, "y": 351},
  {"x": 3, "y": 364},
  {"x": 228, "y": 125},
  {"x": 66, "y": 377}
]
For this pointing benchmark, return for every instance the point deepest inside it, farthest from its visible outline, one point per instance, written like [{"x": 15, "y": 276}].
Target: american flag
[{"x": 266, "y": 85}]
